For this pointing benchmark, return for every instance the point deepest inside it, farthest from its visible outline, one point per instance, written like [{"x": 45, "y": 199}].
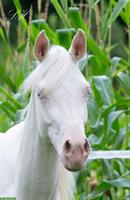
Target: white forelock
[{"x": 51, "y": 71}]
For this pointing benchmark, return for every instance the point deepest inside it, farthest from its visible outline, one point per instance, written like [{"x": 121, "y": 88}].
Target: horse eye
[
  {"x": 40, "y": 94},
  {"x": 88, "y": 91}
]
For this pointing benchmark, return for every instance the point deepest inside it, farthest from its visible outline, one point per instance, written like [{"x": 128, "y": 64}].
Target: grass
[{"x": 5, "y": 198}]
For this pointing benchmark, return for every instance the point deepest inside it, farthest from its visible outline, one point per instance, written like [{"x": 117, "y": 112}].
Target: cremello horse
[{"x": 39, "y": 155}]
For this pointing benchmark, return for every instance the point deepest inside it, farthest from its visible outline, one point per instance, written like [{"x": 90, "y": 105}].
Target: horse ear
[
  {"x": 41, "y": 46},
  {"x": 78, "y": 46}
]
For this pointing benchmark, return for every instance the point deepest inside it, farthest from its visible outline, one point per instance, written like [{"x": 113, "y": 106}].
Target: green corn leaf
[
  {"x": 6, "y": 108},
  {"x": 117, "y": 10},
  {"x": 123, "y": 102},
  {"x": 63, "y": 37},
  {"x": 2, "y": 36},
  {"x": 40, "y": 24},
  {"x": 127, "y": 12},
  {"x": 96, "y": 67},
  {"x": 107, "y": 110},
  {"x": 104, "y": 22},
  {"x": 8, "y": 105},
  {"x": 125, "y": 81},
  {"x": 64, "y": 4},
  {"x": 105, "y": 185},
  {"x": 76, "y": 18},
  {"x": 119, "y": 138},
  {"x": 123, "y": 14},
  {"x": 112, "y": 118},
  {"x": 102, "y": 85},
  {"x": 5, "y": 78},
  {"x": 83, "y": 62},
  {"x": 5, "y": 42},
  {"x": 10, "y": 98},
  {"x": 20, "y": 15},
  {"x": 78, "y": 22},
  {"x": 92, "y": 111},
  {"x": 120, "y": 182},
  {"x": 61, "y": 13}
]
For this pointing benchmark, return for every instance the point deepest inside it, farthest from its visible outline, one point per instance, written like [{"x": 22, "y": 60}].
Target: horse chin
[{"x": 72, "y": 167}]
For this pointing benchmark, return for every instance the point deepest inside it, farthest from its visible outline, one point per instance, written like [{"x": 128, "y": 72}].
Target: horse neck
[{"x": 37, "y": 162}]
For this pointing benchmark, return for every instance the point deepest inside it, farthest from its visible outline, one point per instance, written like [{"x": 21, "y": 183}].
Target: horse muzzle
[{"x": 74, "y": 154}]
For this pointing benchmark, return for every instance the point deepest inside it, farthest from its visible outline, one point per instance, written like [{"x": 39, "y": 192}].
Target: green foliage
[
  {"x": 108, "y": 124},
  {"x": 4, "y": 198}
]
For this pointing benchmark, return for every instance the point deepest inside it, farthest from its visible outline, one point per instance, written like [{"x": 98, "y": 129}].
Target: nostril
[
  {"x": 86, "y": 146},
  {"x": 67, "y": 146}
]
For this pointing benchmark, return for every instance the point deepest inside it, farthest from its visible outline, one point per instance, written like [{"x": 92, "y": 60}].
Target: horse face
[{"x": 65, "y": 111}]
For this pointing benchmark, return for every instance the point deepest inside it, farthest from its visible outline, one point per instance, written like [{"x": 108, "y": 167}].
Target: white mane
[{"x": 51, "y": 71}]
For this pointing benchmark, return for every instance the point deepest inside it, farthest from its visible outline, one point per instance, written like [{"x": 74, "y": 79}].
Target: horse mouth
[{"x": 74, "y": 168}]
